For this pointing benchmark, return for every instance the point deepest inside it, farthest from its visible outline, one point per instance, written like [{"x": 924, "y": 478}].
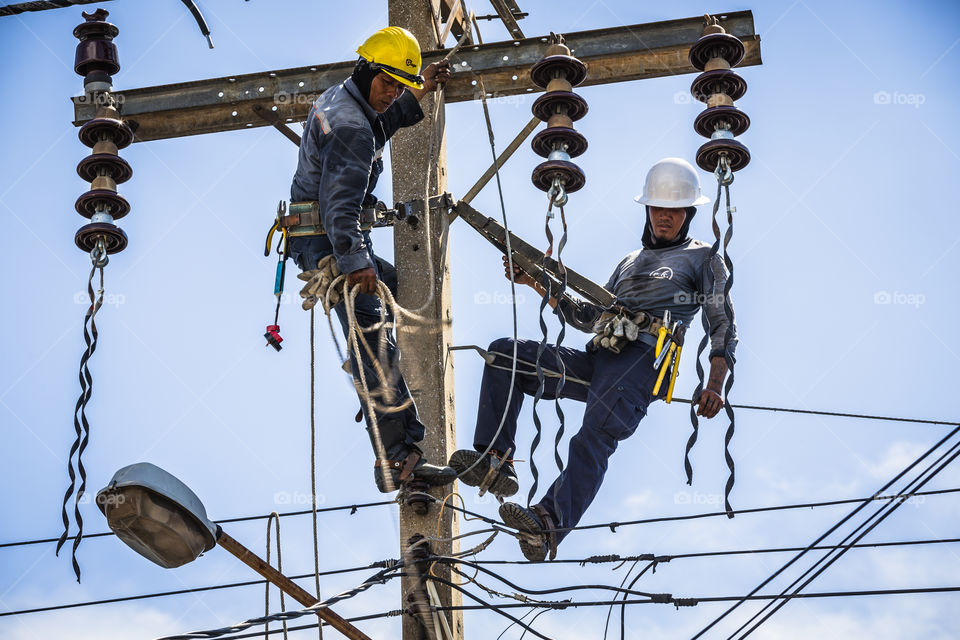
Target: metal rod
[
  {"x": 288, "y": 586},
  {"x": 274, "y": 119},
  {"x": 501, "y": 160}
]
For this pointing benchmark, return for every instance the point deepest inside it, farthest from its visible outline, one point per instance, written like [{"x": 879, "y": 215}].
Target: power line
[
  {"x": 663, "y": 558},
  {"x": 835, "y": 414},
  {"x": 692, "y": 602},
  {"x": 374, "y": 565},
  {"x": 488, "y": 520},
  {"x": 613, "y": 526},
  {"x": 352, "y": 507}
]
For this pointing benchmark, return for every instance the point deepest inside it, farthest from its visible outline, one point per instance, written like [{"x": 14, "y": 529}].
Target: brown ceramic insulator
[
  {"x": 560, "y": 102},
  {"x": 560, "y": 121},
  {"x": 720, "y": 81},
  {"x": 557, "y": 49},
  {"x": 108, "y": 147},
  {"x": 116, "y": 205},
  {"x": 114, "y": 237},
  {"x": 709, "y": 154},
  {"x": 570, "y": 174},
  {"x": 96, "y": 51},
  {"x": 560, "y": 66},
  {"x": 730, "y": 118},
  {"x": 559, "y": 84},
  {"x": 103, "y": 183},
  {"x": 715, "y": 64},
  {"x": 113, "y": 165},
  {"x": 551, "y": 138},
  {"x": 719, "y": 100},
  {"x": 111, "y": 129},
  {"x": 716, "y": 45}
]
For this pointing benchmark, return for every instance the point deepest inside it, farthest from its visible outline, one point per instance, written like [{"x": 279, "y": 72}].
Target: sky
[{"x": 845, "y": 255}]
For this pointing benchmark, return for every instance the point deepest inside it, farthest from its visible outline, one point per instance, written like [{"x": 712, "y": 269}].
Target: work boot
[
  {"x": 492, "y": 473},
  {"x": 534, "y": 524},
  {"x": 413, "y": 465}
]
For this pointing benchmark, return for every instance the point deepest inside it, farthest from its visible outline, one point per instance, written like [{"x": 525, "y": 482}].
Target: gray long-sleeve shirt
[
  {"x": 339, "y": 164},
  {"x": 680, "y": 279}
]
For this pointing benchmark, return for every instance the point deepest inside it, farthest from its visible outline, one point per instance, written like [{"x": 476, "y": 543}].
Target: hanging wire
[
  {"x": 273, "y": 518},
  {"x": 99, "y": 259}
]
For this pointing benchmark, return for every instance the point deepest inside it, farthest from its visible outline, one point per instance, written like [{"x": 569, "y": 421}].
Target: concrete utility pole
[{"x": 426, "y": 364}]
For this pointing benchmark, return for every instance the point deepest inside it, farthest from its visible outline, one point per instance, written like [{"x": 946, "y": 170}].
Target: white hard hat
[{"x": 672, "y": 182}]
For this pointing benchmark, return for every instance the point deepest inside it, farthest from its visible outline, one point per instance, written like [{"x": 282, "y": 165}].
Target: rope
[
  {"x": 274, "y": 517},
  {"x": 81, "y": 426},
  {"x": 313, "y": 466}
]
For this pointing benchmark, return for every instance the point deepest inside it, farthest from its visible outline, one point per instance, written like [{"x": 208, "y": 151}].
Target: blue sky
[{"x": 847, "y": 199}]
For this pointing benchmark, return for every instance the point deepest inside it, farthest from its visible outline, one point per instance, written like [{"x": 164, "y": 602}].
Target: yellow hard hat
[{"x": 396, "y": 52}]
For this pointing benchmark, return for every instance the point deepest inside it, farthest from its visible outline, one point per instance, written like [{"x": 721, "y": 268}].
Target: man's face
[
  {"x": 666, "y": 222},
  {"x": 383, "y": 91}
]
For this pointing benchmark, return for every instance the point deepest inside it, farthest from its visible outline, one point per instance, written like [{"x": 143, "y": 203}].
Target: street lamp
[{"x": 159, "y": 517}]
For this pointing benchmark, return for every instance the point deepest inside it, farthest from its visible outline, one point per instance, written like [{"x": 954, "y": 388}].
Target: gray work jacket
[
  {"x": 340, "y": 162},
  {"x": 681, "y": 279}
]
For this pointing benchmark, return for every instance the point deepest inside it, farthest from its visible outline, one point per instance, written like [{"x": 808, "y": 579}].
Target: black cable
[
  {"x": 353, "y": 509},
  {"x": 74, "y": 605},
  {"x": 581, "y": 561},
  {"x": 710, "y": 514},
  {"x": 832, "y": 556},
  {"x": 373, "y": 616},
  {"x": 684, "y": 602},
  {"x": 539, "y": 592},
  {"x": 820, "y": 539}
]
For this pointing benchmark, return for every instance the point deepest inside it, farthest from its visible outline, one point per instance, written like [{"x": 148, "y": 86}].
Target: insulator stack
[
  {"x": 558, "y": 73},
  {"x": 715, "y": 54},
  {"x": 97, "y": 61}
]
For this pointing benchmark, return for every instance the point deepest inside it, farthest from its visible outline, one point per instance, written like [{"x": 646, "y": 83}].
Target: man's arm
[
  {"x": 405, "y": 110},
  {"x": 581, "y": 315},
  {"x": 714, "y": 281}
]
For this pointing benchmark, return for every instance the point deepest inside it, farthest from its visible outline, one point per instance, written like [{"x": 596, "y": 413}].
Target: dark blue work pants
[
  {"x": 399, "y": 430},
  {"x": 617, "y": 397}
]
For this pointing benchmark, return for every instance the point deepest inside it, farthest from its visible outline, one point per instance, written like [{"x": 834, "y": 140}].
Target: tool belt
[
  {"x": 303, "y": 218},
  {"x": 615, "y": 330}
]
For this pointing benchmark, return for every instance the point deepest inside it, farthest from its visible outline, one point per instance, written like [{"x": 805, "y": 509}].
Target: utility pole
[{"x": 426, "y": 364}]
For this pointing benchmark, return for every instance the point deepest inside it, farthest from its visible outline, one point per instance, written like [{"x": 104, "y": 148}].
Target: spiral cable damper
[{"x": 96, "y": 60}]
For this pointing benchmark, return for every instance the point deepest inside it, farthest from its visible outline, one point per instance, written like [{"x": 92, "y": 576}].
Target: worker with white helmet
[
  {"x": 339, "y": 165},
  {"x": 659, "y": 289}
]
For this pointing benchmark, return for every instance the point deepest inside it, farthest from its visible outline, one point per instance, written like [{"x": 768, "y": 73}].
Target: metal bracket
[
  {"x": 412, "y": 210},
  {"x": 533, "y": 261}
]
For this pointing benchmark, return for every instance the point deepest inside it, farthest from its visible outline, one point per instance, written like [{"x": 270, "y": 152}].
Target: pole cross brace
[{"x": 533, "y": 261}]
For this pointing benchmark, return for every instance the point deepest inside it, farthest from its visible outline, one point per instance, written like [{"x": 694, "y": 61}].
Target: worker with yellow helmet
[{"x": 339, "y": 165}]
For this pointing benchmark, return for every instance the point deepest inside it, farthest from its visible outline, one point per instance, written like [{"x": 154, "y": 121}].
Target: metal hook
[
  {"x": 557, "y": 193},
  {"x": 98, "y": 255},
  {"x": 723, "y": 172}
]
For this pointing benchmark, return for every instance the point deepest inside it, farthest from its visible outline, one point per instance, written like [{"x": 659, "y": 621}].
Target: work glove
[{"x": 318, "y": 283}]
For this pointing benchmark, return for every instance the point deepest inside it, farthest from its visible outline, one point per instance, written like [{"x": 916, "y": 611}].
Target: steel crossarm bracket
[{"x": 532, "y": 260}]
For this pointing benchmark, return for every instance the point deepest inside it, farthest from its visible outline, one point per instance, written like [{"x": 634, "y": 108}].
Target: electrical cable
[{"x": 831, "y": 530}]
